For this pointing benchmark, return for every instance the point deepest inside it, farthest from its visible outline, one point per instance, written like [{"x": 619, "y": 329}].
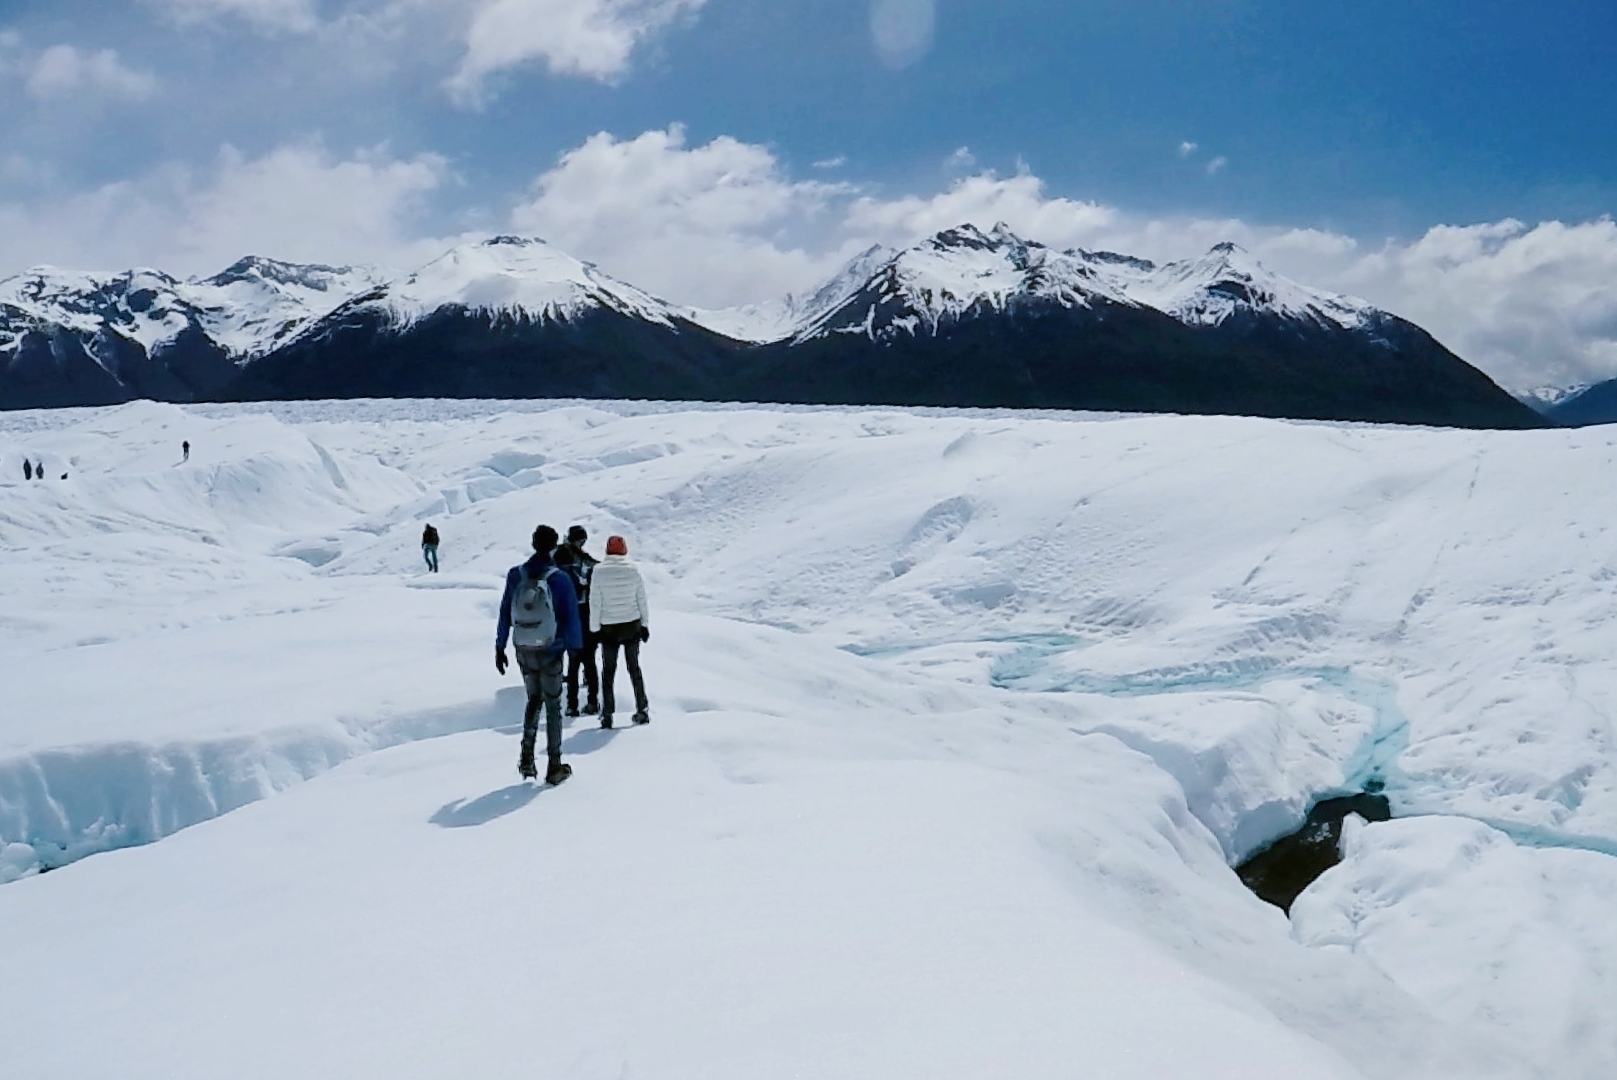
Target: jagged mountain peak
[
  {"x": 1229, "y": 280},
  {"x": 257, "y": 268}
]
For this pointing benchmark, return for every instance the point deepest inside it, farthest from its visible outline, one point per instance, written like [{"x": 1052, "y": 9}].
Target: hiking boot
[
  {"x": 527, "y": 768},
  {"x": 572, "y": 709},
  {"x": 606, "y": 721},
  {"x": 557, "y": 773},
  {"x": 591, "y": 707},
  {"x": 641, "y": 716}
]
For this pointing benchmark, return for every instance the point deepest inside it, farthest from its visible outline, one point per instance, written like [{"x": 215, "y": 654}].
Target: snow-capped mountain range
[
  {"x": 247, "y": 309},
  {"x": 512, "y": 316},
  {"x": 964, "y": 270}
]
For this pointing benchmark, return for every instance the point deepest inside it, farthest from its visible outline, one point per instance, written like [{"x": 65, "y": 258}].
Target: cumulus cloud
[
  {"x": 1531, "y": 305},
  {"x": 594, "y": 39},
  {"x": 710, "y": 225},
  {"x": 1186, "y": 149},
  {"x": 297, "y": 202},
  {"x": 960, "y": 161},
  {"x": 1217, "y": 165},
  {"x": 64, "y": 73}
]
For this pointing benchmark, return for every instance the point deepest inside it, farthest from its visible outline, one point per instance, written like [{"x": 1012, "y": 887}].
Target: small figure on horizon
[
  {"x": 39, "y": 470},
  {"x": 620, "y": 616},
  {"x": 185, "y": 450},
  {"x": 539, "y": 615},
  {"x": 429, "y": 547},
  {"x": 27, "y": 469}
]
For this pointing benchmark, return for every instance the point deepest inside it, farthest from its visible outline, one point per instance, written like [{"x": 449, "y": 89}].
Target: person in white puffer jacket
[{"x": 618, "y": 613}]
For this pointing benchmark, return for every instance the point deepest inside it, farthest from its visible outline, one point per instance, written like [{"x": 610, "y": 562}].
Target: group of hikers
[{"x": 558, "y": 606}]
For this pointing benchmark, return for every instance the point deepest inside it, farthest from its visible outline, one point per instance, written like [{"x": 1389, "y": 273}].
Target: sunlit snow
[{"x": 960, "y": 721}]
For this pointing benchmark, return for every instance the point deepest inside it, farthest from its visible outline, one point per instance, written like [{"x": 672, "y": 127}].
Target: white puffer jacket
[{"x": 617, "y": 595}]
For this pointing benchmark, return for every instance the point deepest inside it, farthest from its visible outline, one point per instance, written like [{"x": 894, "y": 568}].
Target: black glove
[
  {"x": 645, "y": 633},
  {"x": 500, "y": 661}
]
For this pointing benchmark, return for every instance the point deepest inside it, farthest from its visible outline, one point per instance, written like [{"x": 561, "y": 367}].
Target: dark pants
[
  {"x": 541, "y": 675},
  {"x": 586, "y": 660},
  {"x": 430, "y": 553},
  {"x": 627, "y": 637}
]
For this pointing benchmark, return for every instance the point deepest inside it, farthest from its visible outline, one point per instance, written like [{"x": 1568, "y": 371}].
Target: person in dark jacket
[
  {"x": 429, "y": 547},
  {"x": 541, "y": 666},
  {"x": 581, "y": 567},
  {"x": 27, "y": 469},
  {"x": 185, "y": 450}
]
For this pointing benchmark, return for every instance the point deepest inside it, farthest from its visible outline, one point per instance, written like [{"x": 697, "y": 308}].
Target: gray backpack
[{"x": 533, "y": 612}]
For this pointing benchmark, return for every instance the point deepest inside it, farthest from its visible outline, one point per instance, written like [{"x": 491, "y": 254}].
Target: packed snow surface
[{"x": 960, "y": 721}]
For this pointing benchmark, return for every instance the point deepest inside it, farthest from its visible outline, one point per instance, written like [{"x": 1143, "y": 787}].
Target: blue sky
[{"x": 1453, "y": 161}]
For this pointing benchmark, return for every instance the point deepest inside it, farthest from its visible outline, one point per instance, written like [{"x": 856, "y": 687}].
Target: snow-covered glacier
[{"x": 960, "y": 722}]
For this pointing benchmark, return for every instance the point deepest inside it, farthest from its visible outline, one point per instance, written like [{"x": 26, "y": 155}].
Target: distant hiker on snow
[
  {"x": 539, "y": 614},
  {"x": 185, "y": 450},
  {"x": 582, "y": 567},
  {"x": 618, "y": 612},
  {"x": 39, "y": 470},
  {"x": 27, "y": 469},
  {"x": 429, "y": 547}
]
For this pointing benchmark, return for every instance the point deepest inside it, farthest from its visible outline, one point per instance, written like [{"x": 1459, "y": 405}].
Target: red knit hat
[{"x": 617, "y": 545}]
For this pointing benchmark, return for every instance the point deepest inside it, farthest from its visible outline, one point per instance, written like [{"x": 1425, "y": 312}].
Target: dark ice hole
[{"x": 1286, "y": 867}]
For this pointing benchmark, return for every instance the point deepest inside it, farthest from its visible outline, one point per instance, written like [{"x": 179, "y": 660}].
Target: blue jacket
[{"x": 569, "y": 631}]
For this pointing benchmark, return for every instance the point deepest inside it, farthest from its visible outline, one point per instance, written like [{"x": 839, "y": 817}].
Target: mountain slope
[
  {"x": 76, "y": 338},
  {"x": 968, "y": 318},
  {"x": 507, "y": 317}
]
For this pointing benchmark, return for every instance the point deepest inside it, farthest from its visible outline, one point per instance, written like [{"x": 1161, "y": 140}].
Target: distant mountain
[
  {"x": 75, "y": 338},
  {"x": 965, "y": 318},
  {"x": 972, "y": 318},
  {"x": 507, "y": 317},
  {"x": 1585, "y": 406}
]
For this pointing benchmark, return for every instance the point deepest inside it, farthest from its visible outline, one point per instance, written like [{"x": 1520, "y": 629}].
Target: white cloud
[
  {"x": 832, "y": 163},
  {"x": 595, "y": 39},
  {"x": 1217, "y": 165},
  {"x": 1188, "y": 148},
  {"x": 62, "y": 72},
  {"x": 292, "y": 16},
  {"x": 961, "y": 160},
  {"x": 714, "y": 224},
  {"x": 297, "y": 202},
  {"x": 1532, "y": 306},
  {"x": 902, "y": 30}
]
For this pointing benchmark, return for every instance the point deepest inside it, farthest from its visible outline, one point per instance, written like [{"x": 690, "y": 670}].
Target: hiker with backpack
[
  {"x": 429, "y": 547},
  {"x": 618, "y": 613},
  {"x": 539, "y": 615},
  {"x": 582, "y": 566}
]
